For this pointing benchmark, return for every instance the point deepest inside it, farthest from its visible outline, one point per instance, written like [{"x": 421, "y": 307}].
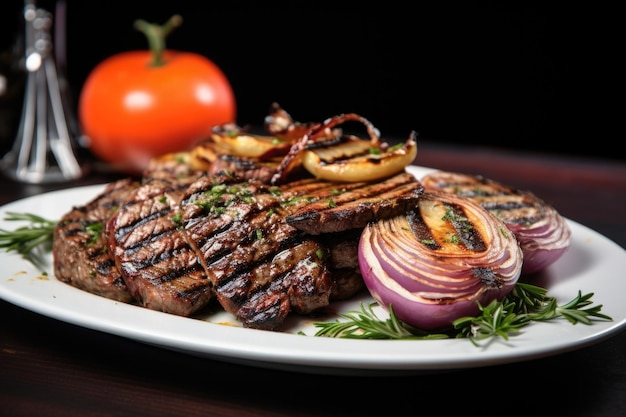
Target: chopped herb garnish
[
  {"x": 452, "y": 238},
  {"x": 453, "y": 216},
  {"x": 95, "y": 231},
  {"x": 396, "y": 147},
  {"x": 293, "y": 200},
  {"x": 177, "y": 218},
  {"x": 215, "y": 200}
]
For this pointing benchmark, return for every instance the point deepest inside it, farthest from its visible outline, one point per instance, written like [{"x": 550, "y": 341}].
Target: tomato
[{"x": 138, "y": 105}]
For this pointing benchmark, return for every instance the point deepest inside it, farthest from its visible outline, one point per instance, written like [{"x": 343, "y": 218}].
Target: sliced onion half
[
  {"x": 436, "y": 262},
  {"x": 542, "y": 232}
]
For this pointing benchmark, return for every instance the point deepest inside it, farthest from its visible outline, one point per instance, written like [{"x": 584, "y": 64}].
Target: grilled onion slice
[
  {"x": 321, "y": 135},
  {"x": 541, "y": 231},
  {"x": 231, "y": 139},
  {"x": 436, "y": 262},
  {"x": 355, "y": 159},
  {"x": 328, "y": 154}
]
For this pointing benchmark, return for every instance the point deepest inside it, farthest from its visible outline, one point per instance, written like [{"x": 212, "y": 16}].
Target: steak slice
[
  {"x": 80, "y": 251},
  {"x": 159, "y": 266},
  {"x": 245, "y": 168},
  {"x": 344, "y": 263},
  {"x": 353, "y": 205},
  {"x": 292, "y": 278},
  {"x": 261, "y": 267}
]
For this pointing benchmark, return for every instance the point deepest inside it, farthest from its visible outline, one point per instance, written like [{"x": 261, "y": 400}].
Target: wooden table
[{"x": 51, "y": 368}]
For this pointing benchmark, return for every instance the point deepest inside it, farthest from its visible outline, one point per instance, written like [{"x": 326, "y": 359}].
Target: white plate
[{"x": 592, "y": 264}]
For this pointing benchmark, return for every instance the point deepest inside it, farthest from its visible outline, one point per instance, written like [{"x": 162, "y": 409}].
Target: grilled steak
[
  {"x": 261, "y": 267},
  {"x": 245, "y": 168},
  {"x": 344, "y": 263},
  {"x": 80, "y": 253},
  {"x": 354, "y": 205},
  {"x": 180, "y": 239},
  {"x": 159, "y": 266},
  {"x": 171, "y": 167}
]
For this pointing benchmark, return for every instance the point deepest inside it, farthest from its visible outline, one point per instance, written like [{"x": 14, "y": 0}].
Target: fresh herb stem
[
  {"x": 365, "y": 324},
  {"x": 525, "y": 304},
  {"x": 32, "y": 241}
]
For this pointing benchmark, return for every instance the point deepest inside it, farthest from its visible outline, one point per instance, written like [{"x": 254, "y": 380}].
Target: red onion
[
  {"x": 543, "y": 241},
  {"x": 542, "y": 232},
  {"x": 434, "y": 263}
]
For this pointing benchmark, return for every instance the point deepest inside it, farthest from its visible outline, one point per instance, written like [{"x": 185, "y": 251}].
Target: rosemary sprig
[
  {"x": 32, "y": 241},
  {"x": 537, "y": 305},
  {"x": 525, "y": 304},
  {"x": 365, "y": 324}
]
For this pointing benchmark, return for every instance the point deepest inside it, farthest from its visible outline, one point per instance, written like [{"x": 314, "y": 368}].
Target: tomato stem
[{"x": 156, "y": 35}]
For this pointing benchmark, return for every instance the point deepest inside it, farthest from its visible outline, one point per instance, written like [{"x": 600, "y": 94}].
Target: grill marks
[
  {"x": 444, "y": 226},
  {"x": 353, "y": 206},
  {"x": 179, "y": 244},
  {"x": 261, "y": 267},
  {"x": 543, "y": 234},
  {"x": 81, "y": 256},
  {"x": 160, "y": 267},
  {"x": 293, "y": 279},
  {"x": 465, "y": 230},
  {"x": 510, "y": 205},
  {"x": 181, "y": 239}
]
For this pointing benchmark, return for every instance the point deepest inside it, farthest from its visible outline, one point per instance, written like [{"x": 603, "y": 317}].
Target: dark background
[{"x": 529, "y": 78}]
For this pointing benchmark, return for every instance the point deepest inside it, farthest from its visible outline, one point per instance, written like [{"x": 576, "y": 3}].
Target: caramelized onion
[
  {"x": 353, "y": 160},
  {"x": 436, "y": 262},
  {"x": 321, "y": 133}
]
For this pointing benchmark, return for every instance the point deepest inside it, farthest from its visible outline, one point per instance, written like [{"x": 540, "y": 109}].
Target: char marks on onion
[
  {"x": 419, "y": 263},
  {"x": 542, "y": 232}
]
